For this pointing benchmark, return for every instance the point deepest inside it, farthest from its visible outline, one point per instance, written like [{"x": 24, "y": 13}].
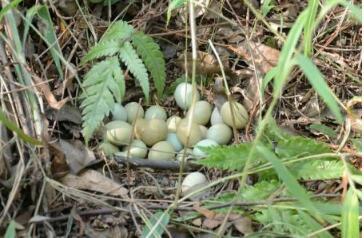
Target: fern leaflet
[
  {"x": 129, "y": 56},
  {"x": 318, "y": 170},
  {"x": 119, "y": 30},
  {"x": 230, "y": 158},
  {"x": 104, "y": 48},
  {"x": 104, "y": 84},
  {"x": 153, "y": 59}
]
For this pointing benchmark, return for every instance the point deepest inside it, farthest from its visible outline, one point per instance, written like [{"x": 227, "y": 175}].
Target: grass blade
[
  {"x": 310, "y": 26},
  {"x": 317, "y": 81},
  {"x": 156, "y": 225},
  {"x": 8, "y": 7},
  {"x": 350, "y": 216},
  {"x": 285, "y": 65},
  {"x": 11, "y": 126},
  {"x": 292, "y": 185}
]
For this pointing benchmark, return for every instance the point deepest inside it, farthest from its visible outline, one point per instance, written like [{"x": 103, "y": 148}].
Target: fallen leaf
[
  {"x": 204, "y": 211},
  {"x": 265, "y": 57},
  {"x": 76, "y": 154},
  {"x": 95, "y": 181},
  {"x": 243, "y": 225}
]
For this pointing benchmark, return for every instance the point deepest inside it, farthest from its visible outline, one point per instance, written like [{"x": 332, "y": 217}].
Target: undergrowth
[{"x": 104, "y": 84}]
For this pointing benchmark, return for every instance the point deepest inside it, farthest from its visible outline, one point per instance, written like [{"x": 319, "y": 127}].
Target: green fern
[
  {"x": 130, "y": 58},
  {"x": 230, "y": 158},
  {"x": 153, "y": 59},
  {"x": 104, "y": 83},
  {"x": 119, "y": 30},
  {"x": 318, "y": 170}
]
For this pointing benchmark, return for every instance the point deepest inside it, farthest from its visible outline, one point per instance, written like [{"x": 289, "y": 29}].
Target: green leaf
[
  {"x": 323, "y": 129},
  {"x": 259, "y": 191},
  {"x": 319, "y": 84},
  {"x": 153, "y": 59},
  {"x": 104, "y": 48},
  {"x": 285, "y": 64},
  {"x": 129, "y": 56},
  {"x": 313, "y": 224},
  {"x": 298, "y": 146},
  {"x": 230, "y": 158},
  {"x": 13, "y": 127},
  {"x": 119, "y": 30},
  {"x": 266, "y": 7},
  {"x": 174, "y": 4},
  {"x": 47, "y": 30},
  {"x": 356, "y": 11},
  {"x": 350, "y": 216},
  {"x": 310, "y": 26},
  {"x": 156, "y": 225},
  {"x": 10, "y": 230},
  {"x": 8, "y": 7},
  {"x": 104, "y": 85},
  {"x": 318, "y": 169},
  {"x": 290, "y": 181}
]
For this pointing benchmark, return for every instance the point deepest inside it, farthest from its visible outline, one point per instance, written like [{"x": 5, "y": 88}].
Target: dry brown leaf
[
  {"x": 204, "y": 211},
  {"x": 95, "y": 181},
  {"x": 243, "y": 225},
  {"x": 47, "y": 93},
  {"x": 206, "y": 63},
  {"x": 265, "y": 57},
  {"x": 76, "y": 154}
]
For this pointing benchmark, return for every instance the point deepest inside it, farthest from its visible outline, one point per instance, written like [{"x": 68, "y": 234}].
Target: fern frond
[
  {"x": 319, "y": 170},
  {"x": 104, "y": 48},
  {"x": 119, "y": 30},
  {"x": 135, "y": 65},
  {"x": 298, "y": 146},
  {"x": 230, "y": 158},
  {"x": 103, "y": 84},
  {"x": 153, "y": 59}
]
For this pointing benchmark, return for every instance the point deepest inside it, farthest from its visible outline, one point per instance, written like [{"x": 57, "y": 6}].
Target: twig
[{"x": 154, "y": 164}]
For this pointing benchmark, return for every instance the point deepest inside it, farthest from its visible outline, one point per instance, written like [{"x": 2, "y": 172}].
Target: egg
[
  {"x": 179, "y": 156},
  {"x": 108, "y": 148},
  {"x": 162, "y": 150},
  {"x": 174, "y": 141},
  {"x": 220, "y": 133},
  {"x": 172, "y": 123},
  {"x": 136, "y": 149},
  {"x": 134, "y": 111},
  {"x": 192, "y": 182},
  {"x": 240, "y": 115},
  {"x": 152, "y": 131},
  {"x": 184, "y": 95},
  {"x": 201, "y": 113},
  {"x": 156, "y": 112},
  {"x": 182, "y": 133},
  {"x": 119, "y": 113},
  {"x": 197, "y": 151},
  {"x": 216, "y": 117},
  {"x": 118, "y": 132},
  {"x": 203, "y": 131}
]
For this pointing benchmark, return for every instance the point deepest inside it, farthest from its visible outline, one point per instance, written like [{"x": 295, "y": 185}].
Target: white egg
[
  {"x": 192, "y": 182},
  {"x": 201, "y": 113},
  {"x": 156, "y": 112},
  {"x": 220, "y": 133},
  {"x": 184, "y": 95},
  {"x": 172, "y": 123},
  {"x": 119, "y": 113},
  {"x": 163, "y": 150},
  {"x": 136, "y": 149},
  {"x": 134, "y": 111},
  {"x": 240, "y": 115},
  {"x": 216, "y": 117},
  {"x": 174, "y": 141},
  {"x": 118, "y": 132},
  {"x": 197, "y": 152}
]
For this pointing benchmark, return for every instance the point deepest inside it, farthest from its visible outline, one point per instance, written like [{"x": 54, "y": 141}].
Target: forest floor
[{"x": 292, "y": 170}]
